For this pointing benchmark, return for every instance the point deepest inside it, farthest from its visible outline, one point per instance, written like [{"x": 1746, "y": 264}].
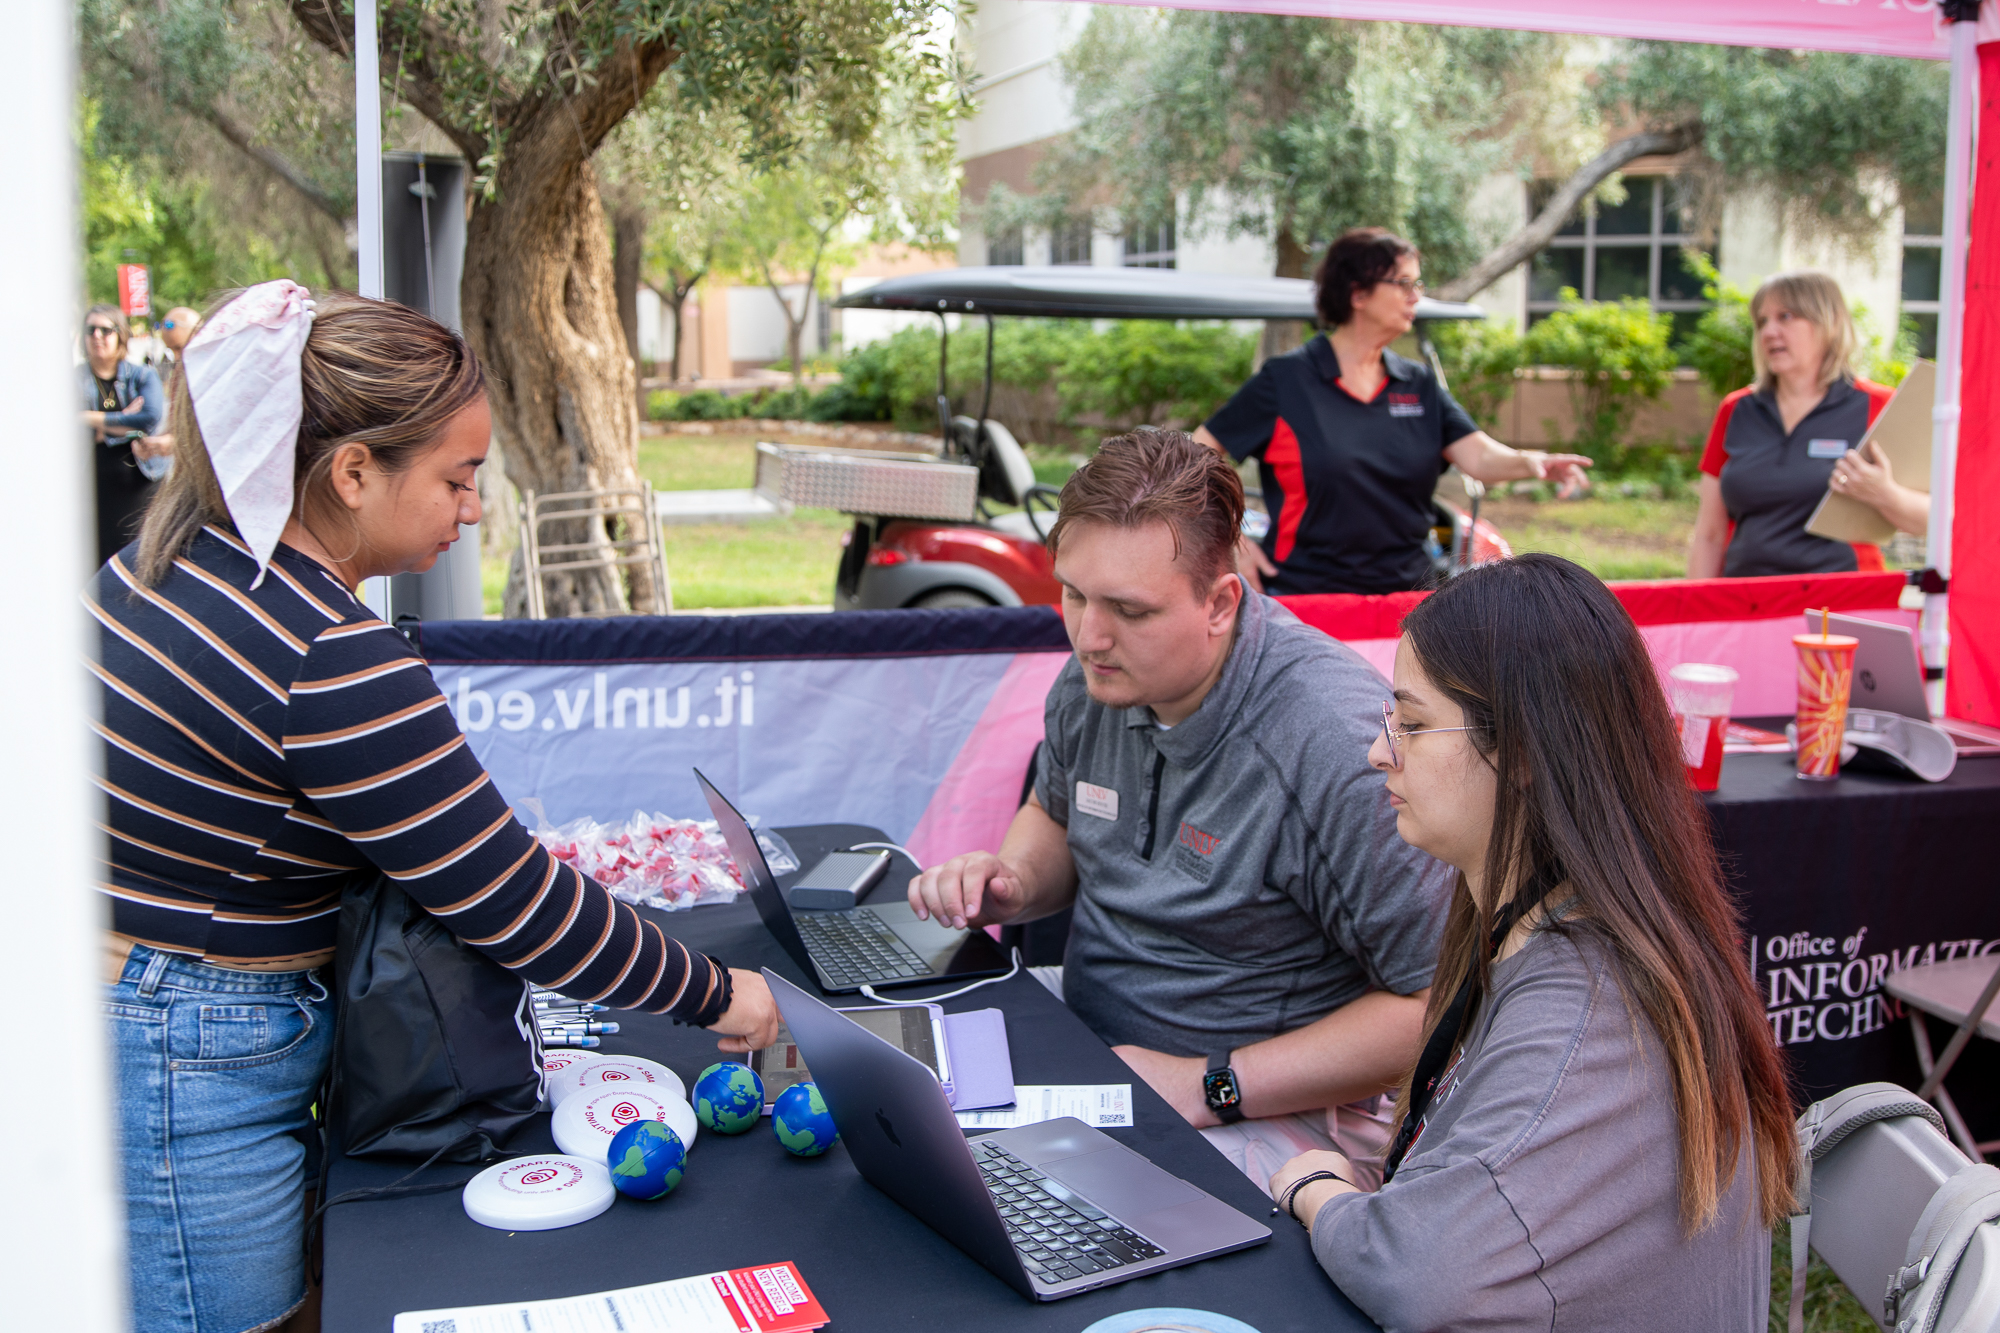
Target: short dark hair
[
  {"x": 1357, "y": 261},
  {"x": 1161, "y": 476}
]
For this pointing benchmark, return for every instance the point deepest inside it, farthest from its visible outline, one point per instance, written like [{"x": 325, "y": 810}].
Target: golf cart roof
[{"x": 1075, "y": 291}]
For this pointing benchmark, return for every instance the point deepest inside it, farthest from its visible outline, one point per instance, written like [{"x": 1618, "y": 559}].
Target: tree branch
[
  {"x": 422, "y": 83},
  {"x": 1524, "y": 243},
  {"x": 222, "y": 123}
]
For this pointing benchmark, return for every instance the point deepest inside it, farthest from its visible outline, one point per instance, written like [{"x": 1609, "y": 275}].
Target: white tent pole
[
  {"x": 368, "y": 147},
  {"x": 1935, "y": 632},
  {"x": 368, "y": 197},
  {"x": 62, "y": 1263}
]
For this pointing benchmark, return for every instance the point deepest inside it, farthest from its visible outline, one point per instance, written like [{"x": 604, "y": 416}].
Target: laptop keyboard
[
  {"x": 1059, "y": 1235},
  {"x": 853, "y": 947}
]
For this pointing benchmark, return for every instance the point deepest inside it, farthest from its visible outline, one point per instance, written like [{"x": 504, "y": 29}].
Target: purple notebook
[{"x": 982, "y": 1070}]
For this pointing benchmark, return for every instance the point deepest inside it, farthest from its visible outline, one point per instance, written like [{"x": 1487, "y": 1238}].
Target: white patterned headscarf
[{"x": 242, "y": 369}]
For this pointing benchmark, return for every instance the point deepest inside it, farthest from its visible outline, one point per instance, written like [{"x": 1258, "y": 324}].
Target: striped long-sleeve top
[{"x": 262, "y": 746}]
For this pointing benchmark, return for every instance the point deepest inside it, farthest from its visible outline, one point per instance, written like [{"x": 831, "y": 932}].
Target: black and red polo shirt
[
  {"x": 1347, "y": 483},
  {"x": 1772, "y": 479}
]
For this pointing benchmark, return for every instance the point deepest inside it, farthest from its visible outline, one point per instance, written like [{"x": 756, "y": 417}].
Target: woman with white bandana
[{"x": 267, "y": 739}]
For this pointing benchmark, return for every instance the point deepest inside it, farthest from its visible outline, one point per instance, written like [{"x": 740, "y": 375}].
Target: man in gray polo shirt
[{"x": 1251, "y": 935}]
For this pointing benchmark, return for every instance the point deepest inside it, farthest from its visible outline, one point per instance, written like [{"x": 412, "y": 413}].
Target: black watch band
[{"x": 1219, "y": 1089}]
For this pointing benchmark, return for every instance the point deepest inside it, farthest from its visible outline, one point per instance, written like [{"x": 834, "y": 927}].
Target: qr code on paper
[{"x": 440, "y": 1326}]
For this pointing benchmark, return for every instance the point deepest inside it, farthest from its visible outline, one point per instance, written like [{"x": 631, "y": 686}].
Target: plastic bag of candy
[{"x": 654, "y": 860}]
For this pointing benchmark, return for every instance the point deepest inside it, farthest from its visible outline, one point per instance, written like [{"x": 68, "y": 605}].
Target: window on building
[
  {"x": 1923, "y": 269},
  {"x": 1005, "y": 247},
  {"x": 1607, "y": 252},
  {"x": 1069, "y": 241},
  {"x": 1150, "y": 246}
]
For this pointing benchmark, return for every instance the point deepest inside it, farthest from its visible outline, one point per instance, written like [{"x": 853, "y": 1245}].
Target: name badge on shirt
[
  {"x": 1825, "y": 448},
  {"x": 1405, "y": 405},
  {"x": 1095, "y": 800}
]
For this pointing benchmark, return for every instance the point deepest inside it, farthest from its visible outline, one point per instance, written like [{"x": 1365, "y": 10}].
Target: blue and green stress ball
[
  {"x": 728, "y": 1097},
  {"x": 647, "y": 1160},
  {"x": 803, "y": 1123}
]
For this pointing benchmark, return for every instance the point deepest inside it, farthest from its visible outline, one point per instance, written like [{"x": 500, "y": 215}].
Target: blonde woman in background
[{"x": 1779, "y": 445}]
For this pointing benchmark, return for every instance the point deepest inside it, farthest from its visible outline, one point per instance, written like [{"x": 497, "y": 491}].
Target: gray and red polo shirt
[
  {"x": 1772, "y": 479},
  {"x": 1347, "y": 482}
]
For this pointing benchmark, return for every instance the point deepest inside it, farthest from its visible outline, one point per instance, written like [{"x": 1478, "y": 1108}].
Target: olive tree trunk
[{"x": 1292, "y": 261}]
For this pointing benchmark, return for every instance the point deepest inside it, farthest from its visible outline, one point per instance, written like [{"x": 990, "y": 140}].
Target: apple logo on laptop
[
  {"x": 1868, "y": 681},
  {"x": 883, "y": 1120}
]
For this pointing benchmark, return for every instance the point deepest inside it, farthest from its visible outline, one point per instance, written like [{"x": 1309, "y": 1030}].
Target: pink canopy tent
[{"x": 1911, "y": 28}]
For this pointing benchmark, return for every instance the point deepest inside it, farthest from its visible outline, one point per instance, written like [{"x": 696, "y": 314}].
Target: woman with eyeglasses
[
  {"x": 1598, "y": 1132},
  {"x": 1351, "y": 438},
  {"x": 122, "y": 404}
]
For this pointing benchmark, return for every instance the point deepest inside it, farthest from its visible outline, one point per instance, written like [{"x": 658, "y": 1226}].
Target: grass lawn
[
  {"x": 1612, "y": 536},
  {"x": 790, "y": 561}
]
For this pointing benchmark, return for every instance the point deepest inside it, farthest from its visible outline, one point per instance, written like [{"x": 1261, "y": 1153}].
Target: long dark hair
[
  {"x": 373, "y": 371},
  {"x": 1564, "y": 702}
]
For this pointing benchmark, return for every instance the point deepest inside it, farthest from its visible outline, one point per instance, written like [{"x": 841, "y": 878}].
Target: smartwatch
[{"x": 1218, "y": 1088}]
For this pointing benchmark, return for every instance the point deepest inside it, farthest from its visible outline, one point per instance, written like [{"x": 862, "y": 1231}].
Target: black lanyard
[{"x": 1444, "y": 1037}]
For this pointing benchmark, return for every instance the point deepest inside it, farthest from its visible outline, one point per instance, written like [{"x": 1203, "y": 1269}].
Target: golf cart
[{"x": 926, "y": 532}]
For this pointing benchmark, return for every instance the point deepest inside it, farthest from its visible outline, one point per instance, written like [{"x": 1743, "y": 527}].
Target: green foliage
[
  {"x": 1617, "y": 353},
  {"x": 1817, "y": 129},
  {"x": 1292, "y": 129},
  {"x": 1151, "y": 372},
  {"x": 1719, "y": 347},
  {"x": 1480, "y": 358}
]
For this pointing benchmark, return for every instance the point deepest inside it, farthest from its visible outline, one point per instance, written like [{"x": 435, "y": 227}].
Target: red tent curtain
[{"x": 1972, "y": 682}]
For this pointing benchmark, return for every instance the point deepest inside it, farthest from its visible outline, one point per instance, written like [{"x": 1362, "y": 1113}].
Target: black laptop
[{"x": 874, "y": 946}]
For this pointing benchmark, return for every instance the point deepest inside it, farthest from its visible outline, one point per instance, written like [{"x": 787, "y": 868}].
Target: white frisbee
[
  {"x": 625, "y": 1070},
  {"x": 587, "y": 1121},
  {"x": 539, "y": 1193}
]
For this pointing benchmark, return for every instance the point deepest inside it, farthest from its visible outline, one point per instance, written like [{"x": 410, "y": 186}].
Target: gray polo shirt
[
  {"x": 1239, "y": 875},
  {"x": 1544, "y": 1191}
]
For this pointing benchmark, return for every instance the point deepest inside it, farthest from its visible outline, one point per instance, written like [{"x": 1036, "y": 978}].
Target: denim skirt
[{"x": 216, "y": 1073}]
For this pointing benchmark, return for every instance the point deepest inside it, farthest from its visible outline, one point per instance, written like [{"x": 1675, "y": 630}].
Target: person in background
[
  {"x": 1598, "y": 1134},
  {"x": 1249, "y": 935},
  {"x": 1779, "y": 445},
  {"x": 267, "y": 740},
  {"x": 122, "y": 403},
  {"x": 175, "y": 330},
  {"x": 1351, "y": 438}
]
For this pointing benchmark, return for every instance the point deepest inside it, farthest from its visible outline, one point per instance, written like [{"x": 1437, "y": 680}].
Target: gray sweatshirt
[{"x": 1543, "y": 1193}]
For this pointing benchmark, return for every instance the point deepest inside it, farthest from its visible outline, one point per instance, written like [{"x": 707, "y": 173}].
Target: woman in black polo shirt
[
  {"x": 1351, "y": 438},
  {"x": 1778, "y": 446}
]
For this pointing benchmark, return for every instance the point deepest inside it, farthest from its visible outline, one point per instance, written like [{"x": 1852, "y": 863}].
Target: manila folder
[{"x": 1904, "y": 432}]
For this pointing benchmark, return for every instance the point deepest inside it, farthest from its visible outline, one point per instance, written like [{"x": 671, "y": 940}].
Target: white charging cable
[
  {"x": 1012, "y": 972},
  {"x": 885, "y": 847}
]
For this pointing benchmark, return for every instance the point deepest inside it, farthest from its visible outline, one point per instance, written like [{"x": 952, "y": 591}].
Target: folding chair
[
  {"x": 1960, "y": 991},
  {"x": 642, "y": 543}
]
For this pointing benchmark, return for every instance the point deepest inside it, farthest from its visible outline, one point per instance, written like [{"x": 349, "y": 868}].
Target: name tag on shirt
[
  {"x": 1825, "y": 448},
  {"x": 1405, "y": 405},
  {"x": 1095, "y": 800}
]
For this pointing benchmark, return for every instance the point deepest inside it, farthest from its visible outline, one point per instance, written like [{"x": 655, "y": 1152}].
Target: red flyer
[{"x": 769, "y": 1298}]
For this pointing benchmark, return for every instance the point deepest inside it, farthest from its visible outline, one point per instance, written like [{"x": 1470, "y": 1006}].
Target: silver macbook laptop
[
  {"x": 1888, "y": 678},
  {"x": 1051, "y": 1209},
  {"x": 878, "y": 945}
]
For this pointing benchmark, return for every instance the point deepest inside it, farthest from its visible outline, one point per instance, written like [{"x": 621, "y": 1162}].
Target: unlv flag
[{"x": 135, "y": 289}]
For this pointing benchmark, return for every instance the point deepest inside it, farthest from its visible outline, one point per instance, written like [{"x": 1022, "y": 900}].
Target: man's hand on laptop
[
  {"x": 974, "y": 890},
  {"x": 751, "y": 1021}
]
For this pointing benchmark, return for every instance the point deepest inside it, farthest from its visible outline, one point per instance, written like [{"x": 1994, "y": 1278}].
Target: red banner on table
[{"x": 135, "y": 289}]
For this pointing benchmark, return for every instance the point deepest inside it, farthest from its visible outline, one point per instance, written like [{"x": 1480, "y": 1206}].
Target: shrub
[
  {"x": 1480, "y": 358},
  {"x": 1617, "y": 353},
  {"x": 1719, "y": 347},
  {"x": 1148, "y": 372}
]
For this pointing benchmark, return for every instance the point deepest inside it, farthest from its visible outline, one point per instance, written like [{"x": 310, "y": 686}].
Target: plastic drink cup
[
  {"x": 1702, "y": 695},
  {"x": 1826, "y": 674}
]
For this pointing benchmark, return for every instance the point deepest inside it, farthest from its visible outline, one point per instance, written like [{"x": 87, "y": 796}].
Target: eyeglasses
[
  {"x": 1412, "y": 286},
  {"x": 101, "y": 330},
  {"x": 1390, "y": 735}
]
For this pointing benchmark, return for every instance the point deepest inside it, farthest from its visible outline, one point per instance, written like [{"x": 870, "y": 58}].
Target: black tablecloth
[
  {"x": 1844, "y": 881},
  {"x": 744, "y": 1200}
]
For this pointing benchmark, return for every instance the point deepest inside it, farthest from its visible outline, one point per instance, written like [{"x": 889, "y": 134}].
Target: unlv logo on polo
[
  {"x": 1192, "y": 838},
  {"x": 539, "y": 1177}
]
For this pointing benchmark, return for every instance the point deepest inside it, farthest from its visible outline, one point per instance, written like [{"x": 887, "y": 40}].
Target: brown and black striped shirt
[{"x": 261, "y": 746}]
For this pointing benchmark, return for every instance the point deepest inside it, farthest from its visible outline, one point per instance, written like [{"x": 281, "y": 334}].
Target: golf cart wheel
[{"x": 950, "y": 597}]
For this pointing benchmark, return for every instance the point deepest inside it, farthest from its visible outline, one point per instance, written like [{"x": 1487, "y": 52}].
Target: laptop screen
[{"x": 758, "y": 879}]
